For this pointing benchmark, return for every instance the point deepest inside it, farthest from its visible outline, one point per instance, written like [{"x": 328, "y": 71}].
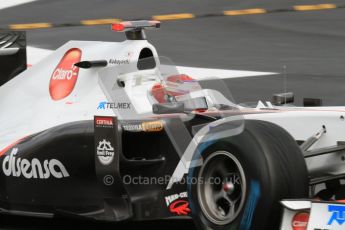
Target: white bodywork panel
[
  {"x": 291, "y": 208},
  {"x": 27, "y": 106},
  {"x": 302, "y": 123},
  {"x": 316, "y": 215}
]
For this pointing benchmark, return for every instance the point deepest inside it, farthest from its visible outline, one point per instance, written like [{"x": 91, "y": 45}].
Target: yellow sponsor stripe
[
  {"x": 315, "y": 7},
  {"x": 173, "y": 17},
  {"x": 105, "y": 21},
  {"x": 30, "y": 26},
  {"x": 244, "y": 12}
]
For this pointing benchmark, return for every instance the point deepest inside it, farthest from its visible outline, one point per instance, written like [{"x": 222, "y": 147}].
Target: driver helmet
[{"x": 175, "y": 87}]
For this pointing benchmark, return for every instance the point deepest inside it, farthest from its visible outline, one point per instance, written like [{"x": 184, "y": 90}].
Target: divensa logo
[
  {"x": 19, "y": 167},
  {"x": 65, "y": 75}
]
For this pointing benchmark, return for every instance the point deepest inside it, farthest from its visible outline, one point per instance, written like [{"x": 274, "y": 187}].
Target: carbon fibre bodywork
[{"x": 75, "y": 185}]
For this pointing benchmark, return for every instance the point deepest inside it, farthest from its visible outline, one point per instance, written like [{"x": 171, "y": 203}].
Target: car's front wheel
[{"x": 243, "y": 178}]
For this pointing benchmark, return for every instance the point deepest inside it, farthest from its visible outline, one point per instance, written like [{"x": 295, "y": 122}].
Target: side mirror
[
  {"x": 283, "y": 98},
  {"x": 175, "y": 107}
]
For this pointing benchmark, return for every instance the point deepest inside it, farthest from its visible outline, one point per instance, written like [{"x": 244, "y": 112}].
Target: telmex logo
[
  {"x": 16, "y": 167},
  {"x": 65, "y": 75},
  {"x": 338, "y": 216}
]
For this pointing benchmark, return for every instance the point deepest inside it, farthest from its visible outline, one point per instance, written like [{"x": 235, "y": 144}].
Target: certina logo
[
  {"x": 17, "y": 167},
  {"x": 105, "y": 152},
  {"x": 5, "y": 43},
  {"x": 104, "y": 121},
  {"x": 65, "y": 75}
]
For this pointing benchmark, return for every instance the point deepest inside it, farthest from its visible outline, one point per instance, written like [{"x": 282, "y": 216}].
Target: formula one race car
[{"x": 111, "y": 131}]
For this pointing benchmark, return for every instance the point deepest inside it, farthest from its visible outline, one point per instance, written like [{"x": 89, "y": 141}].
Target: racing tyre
[{"x": 244, "y": 177}]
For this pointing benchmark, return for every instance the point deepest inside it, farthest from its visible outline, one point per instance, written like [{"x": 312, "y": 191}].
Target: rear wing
[{"x": 12, "y": 54}]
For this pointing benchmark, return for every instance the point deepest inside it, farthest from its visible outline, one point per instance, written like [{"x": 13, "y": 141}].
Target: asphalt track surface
[{"x": 308, "y": 46}]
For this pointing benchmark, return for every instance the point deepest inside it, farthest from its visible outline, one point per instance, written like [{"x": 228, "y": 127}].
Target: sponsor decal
[
  {"x": 180, "y": 207},
  {"x": 20, "y": 167},
  {"x": 300, "y": 221},
  {"x": 177, "y": 203},
  {"x": 125, "y": 61},
  {"x": 106, "y": 159},
  {"x": 133, "y": 127},
  {"x": 104, "y": 121},
  {"x": 172, "y": 198},
  {"x": 105, "y": 152},
  {"x": 65, "y": 75},
  {"x": 113, "y": 105},
  {"x": 326, "y": 216},
  {"x": 338, "y": 214},
  {"x": 152, "y": 126},
  {"x": 119, "y": 61}
]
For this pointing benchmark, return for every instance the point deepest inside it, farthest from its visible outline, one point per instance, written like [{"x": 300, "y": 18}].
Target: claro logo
[
  {"x": 65, "y": 75},
  {"x": 17, "y": 167},
  {"x": 300, "y": 221}
]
